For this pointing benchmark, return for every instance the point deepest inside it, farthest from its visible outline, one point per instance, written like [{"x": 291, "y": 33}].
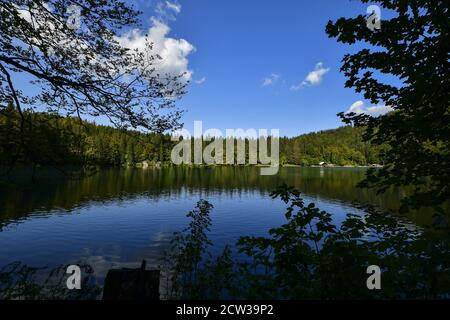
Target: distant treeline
[
  {"x": 341, "y": 146},
  {"x": 46, "y": 139}
]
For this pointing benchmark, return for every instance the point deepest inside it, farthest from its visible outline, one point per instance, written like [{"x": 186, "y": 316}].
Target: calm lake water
[{"x": 118, "y": 217}]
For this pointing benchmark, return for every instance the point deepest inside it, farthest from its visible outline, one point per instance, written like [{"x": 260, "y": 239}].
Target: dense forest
[
  {"x": 341, "y": 146},
  {"x": 48, "y": 139},
  {"x": 53, "y": 140}
]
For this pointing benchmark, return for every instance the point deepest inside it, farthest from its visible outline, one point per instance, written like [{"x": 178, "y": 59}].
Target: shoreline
[{"x": 140, "y": 166}]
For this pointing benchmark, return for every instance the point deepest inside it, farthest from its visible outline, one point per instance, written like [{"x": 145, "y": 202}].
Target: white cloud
[
  {"x": 34, "y": 15},
  {"x": 313, "y": 78},
  {"x": 174, "y": 52},
  {"x": 270, "y": 80},
  {"x": 358, "y": 107},
  {"x": 173, "y": 6},
  {"x": 200, "y": 81}
]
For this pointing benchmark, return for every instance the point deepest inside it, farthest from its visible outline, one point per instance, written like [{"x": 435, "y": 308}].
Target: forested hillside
[
  {"x": 341, "y": 146},
  {"x": 54, "y": 140}
]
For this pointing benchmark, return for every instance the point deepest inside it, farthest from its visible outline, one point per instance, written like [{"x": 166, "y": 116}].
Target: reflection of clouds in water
[
  {"x": 117, "y": 257},
  {"x": 100, "y": 263}
]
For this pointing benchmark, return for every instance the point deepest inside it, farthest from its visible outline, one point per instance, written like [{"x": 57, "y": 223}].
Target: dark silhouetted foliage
[
  {"x": 310, "y": 257},
  {"x": 413, "y": 46}
]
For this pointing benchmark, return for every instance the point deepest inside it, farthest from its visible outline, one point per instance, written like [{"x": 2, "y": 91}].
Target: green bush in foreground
[{"x": 309, "y": 257}]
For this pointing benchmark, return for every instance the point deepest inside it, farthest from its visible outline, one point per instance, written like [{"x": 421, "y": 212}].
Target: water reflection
[
  {"x": 118, "y": 217},
  {"x": 53, "y": 192}
]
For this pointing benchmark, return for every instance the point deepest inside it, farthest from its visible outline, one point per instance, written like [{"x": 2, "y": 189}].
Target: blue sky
[
  {"x": 239, "y": 43},
  {"x": 254, "y": 64}
]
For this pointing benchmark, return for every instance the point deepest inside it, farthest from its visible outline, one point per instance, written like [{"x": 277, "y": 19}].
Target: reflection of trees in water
[
  {"x": 115, "y": 184},
  {"x": 21, "y": 282}
]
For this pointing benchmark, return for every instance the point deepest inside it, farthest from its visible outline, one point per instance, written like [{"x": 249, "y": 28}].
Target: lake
[{"x": 117, "y": 217}]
